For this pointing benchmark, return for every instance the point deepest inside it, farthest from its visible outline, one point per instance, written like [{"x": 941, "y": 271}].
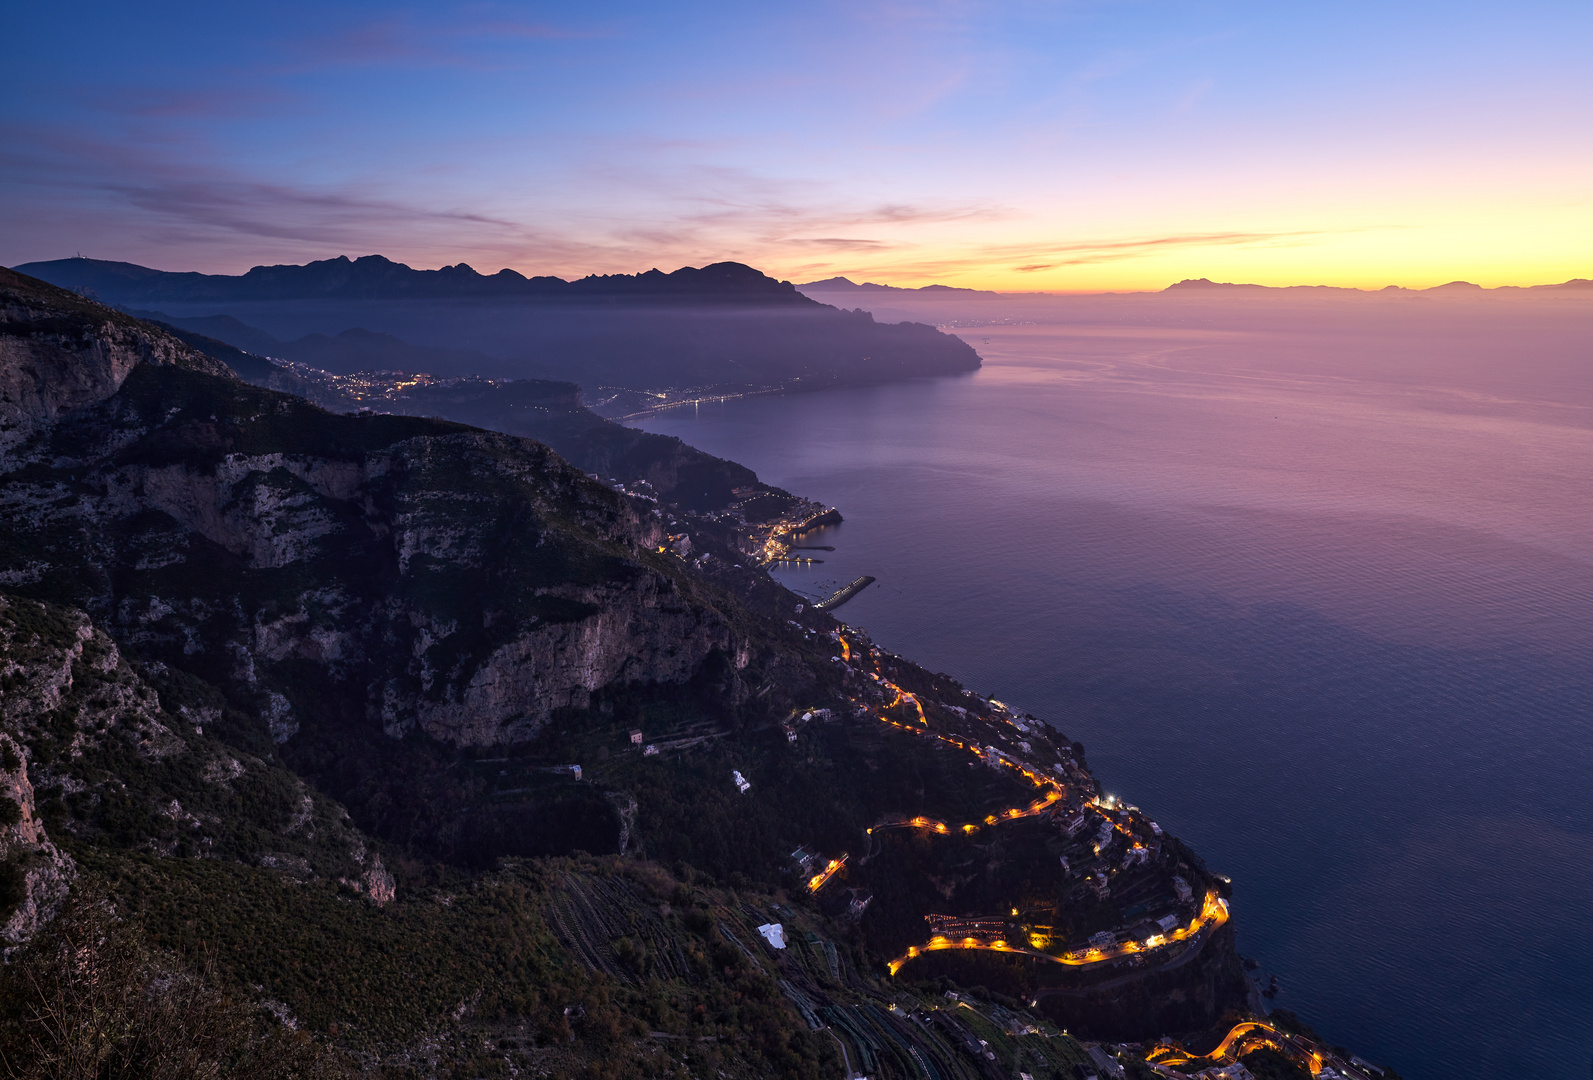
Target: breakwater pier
[{"x": 844, "y": 594}]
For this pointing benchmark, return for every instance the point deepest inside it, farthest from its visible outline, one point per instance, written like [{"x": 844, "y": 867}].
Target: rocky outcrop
[
  {"x": 34, "y": 874},
  {"x": 466, "y": 583},
  {"x": 119, "y": 763},
  {"x": 60, "y": 352}
]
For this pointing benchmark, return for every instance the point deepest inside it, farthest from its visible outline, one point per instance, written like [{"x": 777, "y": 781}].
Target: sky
[{"x": 1017, "y": 146}]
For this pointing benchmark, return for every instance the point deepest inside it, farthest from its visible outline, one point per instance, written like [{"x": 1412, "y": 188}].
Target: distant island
[
  {"x": 842, "y": 286},
  {"x": 846, "y": 285},
  {"x": 1206, "y": 285}
]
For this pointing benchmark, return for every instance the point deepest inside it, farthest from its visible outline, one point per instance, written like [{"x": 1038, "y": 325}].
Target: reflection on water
[{"x": 1323, "y": 606}]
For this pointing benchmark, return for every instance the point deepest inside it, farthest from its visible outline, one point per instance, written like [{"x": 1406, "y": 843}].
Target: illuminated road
[
  {"x": 1213, "y": 913},
  {"x": 1039, "y": 806},
  {"x": 816, "y": 882},
  {"x": 1244, "y": 1037},
  {"x": 1241, "y": 1040}
]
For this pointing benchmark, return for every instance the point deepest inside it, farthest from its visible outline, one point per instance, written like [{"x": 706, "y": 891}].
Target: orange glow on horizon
[{"x": 1415, "y": 242}]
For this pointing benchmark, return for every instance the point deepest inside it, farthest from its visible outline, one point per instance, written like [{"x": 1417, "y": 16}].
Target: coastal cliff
[
  {"x": 245, "y": 530},
  {"x": 437, "y": 670}
]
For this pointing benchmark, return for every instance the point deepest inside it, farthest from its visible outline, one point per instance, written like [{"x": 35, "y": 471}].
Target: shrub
[
  {"x": 88, "y": 1000},
  {"x": 13, "y": 887}
]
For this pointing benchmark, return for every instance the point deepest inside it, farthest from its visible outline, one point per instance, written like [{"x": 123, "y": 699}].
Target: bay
[{"x": 1321, "y": 604}]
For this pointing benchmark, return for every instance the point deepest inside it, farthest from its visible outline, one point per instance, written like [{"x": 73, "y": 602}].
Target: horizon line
[{"x": 1192, "y": 285}]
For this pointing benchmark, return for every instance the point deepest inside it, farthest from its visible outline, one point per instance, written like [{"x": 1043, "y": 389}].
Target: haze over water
[{"x": 1321, "y": 602}]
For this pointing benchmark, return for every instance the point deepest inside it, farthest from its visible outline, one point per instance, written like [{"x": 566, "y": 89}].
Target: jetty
[
  {"x": 843, "y": 595},
  {"x": 831, "y": 516}
]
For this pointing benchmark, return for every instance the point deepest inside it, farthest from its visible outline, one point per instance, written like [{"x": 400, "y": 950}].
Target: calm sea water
[{"x": 1322, "y": 607}]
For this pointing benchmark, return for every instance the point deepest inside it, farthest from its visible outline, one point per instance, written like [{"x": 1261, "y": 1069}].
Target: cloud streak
[
  {"x": 754, "y": 218},
  {"x": 1085, "y": 253},
  {"x": 405, "y": 41}
]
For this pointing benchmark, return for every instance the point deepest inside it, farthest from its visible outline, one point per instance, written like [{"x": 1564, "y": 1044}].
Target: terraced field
[{"x": 609, "y": 915}]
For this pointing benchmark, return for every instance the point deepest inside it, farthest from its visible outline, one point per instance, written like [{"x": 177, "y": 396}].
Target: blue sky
[{"x": 1019, "y": 145}]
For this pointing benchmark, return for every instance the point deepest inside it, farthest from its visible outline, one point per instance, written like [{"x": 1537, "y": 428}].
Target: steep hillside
[
  {"x": 353, "y": 350},
  {"x": 59, "y": 352},
  {"x": 550, "y": 412}
]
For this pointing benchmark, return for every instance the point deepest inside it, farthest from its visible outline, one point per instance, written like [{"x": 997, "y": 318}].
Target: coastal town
[
  {"x": 1107, "y": 856},
  {"x": 1109, "y": 848}
]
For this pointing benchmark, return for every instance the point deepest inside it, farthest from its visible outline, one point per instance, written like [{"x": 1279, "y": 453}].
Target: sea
[{"x": 1319, "y": 602}]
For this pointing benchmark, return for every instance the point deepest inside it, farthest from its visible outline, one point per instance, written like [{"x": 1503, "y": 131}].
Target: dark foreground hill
[
  {"x": 439, "y": 758},
  {"x": 723, "y": 325}
]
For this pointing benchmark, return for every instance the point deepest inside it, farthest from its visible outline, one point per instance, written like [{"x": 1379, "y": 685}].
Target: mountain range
[
  {"x": 1452, "y": 288},
  {"x": 724, "y": 325},
  {"x": 842, "y": 286}
]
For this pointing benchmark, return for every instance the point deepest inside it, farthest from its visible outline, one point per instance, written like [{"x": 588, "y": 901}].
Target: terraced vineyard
[
  {"x": 591, "y": 915},
  {"x": 610, "y": 915}
]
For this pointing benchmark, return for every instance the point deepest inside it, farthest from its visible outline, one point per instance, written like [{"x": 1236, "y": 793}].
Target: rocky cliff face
[
  {"x": 59, "y": 353},
  {"x": 34, "y": 875},
  {"x": 466, "y": 583},
  {"x": 91, "y": 750}
]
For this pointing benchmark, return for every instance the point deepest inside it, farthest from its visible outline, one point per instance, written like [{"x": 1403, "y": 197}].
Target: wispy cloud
[
  {"x": 249, "y": 208},
  {"x": 751, "y": 217},
  {"x": 405, "y": 40},
  {"x": 208, "y": 210},
  {"x": 1193, "y": 96},
  {"x": 834, "y": 243},
  {"x": 1083, "y": 253},
  {"x": 1039, "y": 257},
  {"x": 180, "y": 103}
]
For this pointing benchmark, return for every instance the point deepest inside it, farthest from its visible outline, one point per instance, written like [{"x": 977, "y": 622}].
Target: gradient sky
[{"x": 1026, "y": 146}]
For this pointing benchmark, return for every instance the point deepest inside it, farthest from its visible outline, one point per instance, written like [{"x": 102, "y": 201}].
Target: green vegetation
[
  {"x": 88, "y": 999},
  {"x": 1267, "y": 1064},
  {"x": 13, "y": 886},
  {"x": 469, "y": 961}
]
